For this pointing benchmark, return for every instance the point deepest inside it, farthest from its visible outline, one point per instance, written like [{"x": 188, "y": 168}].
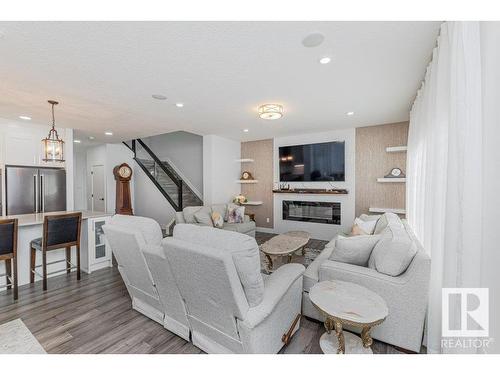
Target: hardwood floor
[{"x": 94, "y": 315}]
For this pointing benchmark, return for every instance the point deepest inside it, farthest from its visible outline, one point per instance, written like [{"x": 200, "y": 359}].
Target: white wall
[
  {"x": 490, "y": 56},
  {"x": 80, "y": 178},
  {"x": 96, "y": 155},
  {"x": 184, "y": 151},
  {"x": 149, "y": 201},
  {"x": 318, "y": 230},
  {"x": 220, "y": 169}
]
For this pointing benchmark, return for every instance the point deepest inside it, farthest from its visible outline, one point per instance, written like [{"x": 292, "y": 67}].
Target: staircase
[{"x": 178, "y": 193}]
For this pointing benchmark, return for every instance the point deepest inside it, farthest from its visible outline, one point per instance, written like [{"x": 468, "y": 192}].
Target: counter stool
[
  {"x": 59, "y": 231},
  {"x": 8, "y": 253}
]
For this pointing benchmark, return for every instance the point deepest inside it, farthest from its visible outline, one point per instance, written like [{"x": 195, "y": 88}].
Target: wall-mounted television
[{"x": 313, "y": 162}]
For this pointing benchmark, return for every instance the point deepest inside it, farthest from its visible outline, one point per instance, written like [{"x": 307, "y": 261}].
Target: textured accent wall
[
  {"x": 262, "y": 170},
  {"x": 372, "y": 162}
]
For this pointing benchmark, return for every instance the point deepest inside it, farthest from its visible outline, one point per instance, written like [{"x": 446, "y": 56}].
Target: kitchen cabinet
[{"x": 98, "y": 254}]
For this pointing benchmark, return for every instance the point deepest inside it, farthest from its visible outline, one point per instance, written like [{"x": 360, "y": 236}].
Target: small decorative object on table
[
  {"x": 240, "y": 199},
  {"x": 395, "y": 173},
  {"x": 343, "y": 303}
]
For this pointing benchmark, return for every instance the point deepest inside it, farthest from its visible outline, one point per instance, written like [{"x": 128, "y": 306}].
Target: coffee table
[
  {"x": 343, "y": 303},
  {"x": 285, "y": 245}
]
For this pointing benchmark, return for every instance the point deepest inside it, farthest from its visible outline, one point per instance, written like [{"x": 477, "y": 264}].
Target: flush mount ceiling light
[
  {"x": 25, "y": 117},
  {"x": 179, "y": 105},
  {"x": 245, "y": 130},
  {"x": 350, "y": 113},
  {"x": 313, "y": 40},
  {"x": 271, "y": 111},
  {"x": 325, "y": 60},
  {"x": 159, "y": 97},
  {"x": 108, "y": 133},
  {"x": 52, "y": 146}
]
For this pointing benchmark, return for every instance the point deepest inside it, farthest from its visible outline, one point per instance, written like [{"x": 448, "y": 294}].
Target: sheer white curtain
[{"x": 444, "y": 177}]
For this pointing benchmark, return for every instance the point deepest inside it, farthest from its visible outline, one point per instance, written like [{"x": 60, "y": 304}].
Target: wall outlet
[{"x": 267, "y": 220}]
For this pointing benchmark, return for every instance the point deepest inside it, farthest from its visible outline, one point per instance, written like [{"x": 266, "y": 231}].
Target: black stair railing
[{"x": 176, "y": 203}]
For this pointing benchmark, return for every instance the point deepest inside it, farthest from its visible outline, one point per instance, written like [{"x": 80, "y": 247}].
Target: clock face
[
  {"x": 124, "y": 172},
  {"x": 245, "y": 175},
  {"x": 396, "y": 172}
]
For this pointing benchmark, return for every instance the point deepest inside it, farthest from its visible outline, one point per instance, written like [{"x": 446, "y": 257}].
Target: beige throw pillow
[
  {"x": 203, "y": 217},
  {"x": 354, "y": 250},
  {"x": 218, "y": 220}
]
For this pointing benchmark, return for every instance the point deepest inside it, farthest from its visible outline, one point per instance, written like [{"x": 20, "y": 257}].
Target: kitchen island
[{"x": 94, "y": 252}]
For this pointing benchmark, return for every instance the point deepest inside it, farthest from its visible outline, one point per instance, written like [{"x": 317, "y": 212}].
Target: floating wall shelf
[
  {"x": 245, "y": 160},
  {"x": 247, "y": 181},
  {"x": 252, "y": 203},
  {"x": 400, "y": 211},
  {"x": 396, "y": 149},
  {"x": 389, "y": 179}
]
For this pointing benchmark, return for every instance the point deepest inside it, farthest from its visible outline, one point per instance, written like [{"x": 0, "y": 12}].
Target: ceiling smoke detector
[{"x": 313, "y": 40}]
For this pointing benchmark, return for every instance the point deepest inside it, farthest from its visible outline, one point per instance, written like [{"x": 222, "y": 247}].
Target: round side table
[{"x": 343, "y": 303}]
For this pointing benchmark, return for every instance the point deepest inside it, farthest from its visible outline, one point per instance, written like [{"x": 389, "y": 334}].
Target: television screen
[{"x": 313, "y": 162}]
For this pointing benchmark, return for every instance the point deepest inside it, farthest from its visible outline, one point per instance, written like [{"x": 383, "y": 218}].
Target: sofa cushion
[
  {"x": 203, "y": 216},
  {"x": 189, "y": 212},
  {"x": 311, "y": 274},
  {"x": 354, "y": 250},
  {"x": 394, "y": 252},
  {"x": 240, "y": 227},
  {"x": 366, "y": 217},
  {"x": 387, "y": 219},
  {"x": 220, "y": 208},
  {"x": 243, "y": 249}
]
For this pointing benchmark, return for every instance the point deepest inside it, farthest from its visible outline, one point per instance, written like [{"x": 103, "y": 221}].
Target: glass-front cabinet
[{"x": 98, "y": 248}]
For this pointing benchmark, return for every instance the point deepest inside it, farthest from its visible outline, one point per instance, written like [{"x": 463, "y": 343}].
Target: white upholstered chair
[
  {"x": 136, "y": 243},
  {"x": 231, "y": 307}
]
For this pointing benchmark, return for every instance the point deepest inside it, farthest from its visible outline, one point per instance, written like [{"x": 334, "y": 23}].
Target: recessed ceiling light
[
  {"x": 179, "y": 105},
  {"x": 313, "y": 40},
  {"x": 270, "y": 111},
  {"x": 108, "y": 133},
  {"x": 325, "y": 60},
  {"x": 25, "y": 117},
  {"x": 159, "y": 97},
  {"x": 91, "y": 137},
  {"x": 77, "y": 141},
  {"x": 245, "y": 130},
  {"x": 350, "y": 113}
]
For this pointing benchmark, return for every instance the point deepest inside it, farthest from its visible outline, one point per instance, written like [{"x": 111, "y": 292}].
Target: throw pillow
[
  {"x": 235, "y": 214},
  {"x": 203, "y": 217},
  {"x": 222, "y": 209},
  {"x": 189, "y": 212},
  {"x": 218, "y": 220},
  {"x": 393, "y": 253},
  {"x": 354, "y": 250},
  {"x": 365, "y": 227},
  {"x": 357, "y": 231}
]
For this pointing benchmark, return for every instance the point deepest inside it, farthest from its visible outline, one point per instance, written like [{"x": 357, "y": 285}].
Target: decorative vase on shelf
[{"x": 240, "y": 199}]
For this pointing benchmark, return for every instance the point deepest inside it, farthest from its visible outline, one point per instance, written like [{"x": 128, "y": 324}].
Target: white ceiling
[{"x": 104, "y": 74}]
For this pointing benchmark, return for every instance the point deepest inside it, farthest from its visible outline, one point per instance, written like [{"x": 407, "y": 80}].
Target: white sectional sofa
[
  {"x": 406, "y": 294},
  {"x": 187, "y": 216}
]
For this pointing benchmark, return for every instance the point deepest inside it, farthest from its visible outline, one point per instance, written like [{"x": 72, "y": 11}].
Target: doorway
[{"x": 98, "y": 194}]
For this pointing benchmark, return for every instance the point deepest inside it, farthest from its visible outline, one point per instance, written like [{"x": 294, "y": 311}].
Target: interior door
[
  {"x": 52, "y": 190},
  {"x": 98, "y": 188}
]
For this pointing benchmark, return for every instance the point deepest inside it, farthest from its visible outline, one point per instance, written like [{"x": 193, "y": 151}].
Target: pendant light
[{"x": 53, "y": 147}]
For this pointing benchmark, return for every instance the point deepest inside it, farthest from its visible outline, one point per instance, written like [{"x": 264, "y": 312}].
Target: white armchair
[
  {"x": 231, "y": 307},
  {"x": 135, "y": 242}
]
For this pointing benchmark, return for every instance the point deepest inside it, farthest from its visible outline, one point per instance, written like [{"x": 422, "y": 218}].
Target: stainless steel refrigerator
[{"x": 31, "y": 190}]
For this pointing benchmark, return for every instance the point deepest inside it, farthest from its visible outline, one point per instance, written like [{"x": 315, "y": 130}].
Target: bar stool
[
  {"x": 59, "y": 231},
  {"x": 8, "y": 252}
]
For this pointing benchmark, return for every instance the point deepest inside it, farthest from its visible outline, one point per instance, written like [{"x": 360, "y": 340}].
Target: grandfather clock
[{"x": 123, "y": 174}]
